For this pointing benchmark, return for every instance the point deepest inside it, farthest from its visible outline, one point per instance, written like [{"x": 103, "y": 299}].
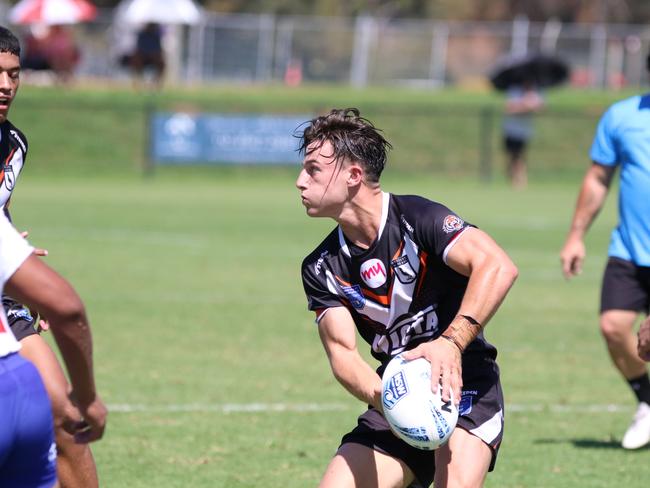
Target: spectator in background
[
  {"x": 149, "y": 52},
  {"x": 52, "y": 49},
  {"x": 522, "y": 102},
  {"x": 62, "y": 52}
]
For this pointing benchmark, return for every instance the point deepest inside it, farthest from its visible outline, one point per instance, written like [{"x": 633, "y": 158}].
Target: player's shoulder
[
  {"x": 414, "y": 206},
  {"x": 15, "y": 135},
  {"x": 630, "y": 105},
  {"x": 328, "y": 247}
]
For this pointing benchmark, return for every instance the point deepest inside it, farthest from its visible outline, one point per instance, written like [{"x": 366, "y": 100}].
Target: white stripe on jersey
[{"x": 452, "y": 244}]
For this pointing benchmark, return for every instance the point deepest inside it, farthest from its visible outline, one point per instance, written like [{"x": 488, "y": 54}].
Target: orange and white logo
[{"x": 452, "y": 223}]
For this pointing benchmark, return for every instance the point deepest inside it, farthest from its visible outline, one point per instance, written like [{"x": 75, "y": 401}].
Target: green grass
[{"x": 192, "y": 285}]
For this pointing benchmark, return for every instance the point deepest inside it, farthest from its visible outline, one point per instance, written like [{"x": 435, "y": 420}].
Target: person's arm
[
  {"x": 644, "y": 340},
  {"x": 338, "y": 335},
  {"x": 593, "y": 192},
  {"x": 41, "y": 288},
  {"x": 529, "y": 102},
  {"x": 491, "y": 274}
]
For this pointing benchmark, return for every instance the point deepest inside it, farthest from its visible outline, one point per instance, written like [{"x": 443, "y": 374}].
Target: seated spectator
[
  {"x": 62, "y": 52},
  {"x": 149, "y": 52},
  {"x": 52, "y": 50}
]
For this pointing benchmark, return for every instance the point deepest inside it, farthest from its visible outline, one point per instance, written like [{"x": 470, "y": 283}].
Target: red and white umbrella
[{"x": 52, "y": 12}]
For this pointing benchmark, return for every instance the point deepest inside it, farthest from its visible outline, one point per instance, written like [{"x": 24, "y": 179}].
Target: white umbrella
[
  {"x": 158, "y": 11},
  {"x": 52, "y": 12}
]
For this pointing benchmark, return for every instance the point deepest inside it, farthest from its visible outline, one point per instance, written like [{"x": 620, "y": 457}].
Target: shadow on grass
[{"x": 611, "y": 444}]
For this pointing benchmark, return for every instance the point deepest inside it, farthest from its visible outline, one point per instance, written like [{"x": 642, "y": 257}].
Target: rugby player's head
[
  {"x": 352, "y": 137},
  {"x": 9, "y": 42}
]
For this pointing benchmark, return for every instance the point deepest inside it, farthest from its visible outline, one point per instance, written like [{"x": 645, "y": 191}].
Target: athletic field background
[{"x": 205, "y": 353}]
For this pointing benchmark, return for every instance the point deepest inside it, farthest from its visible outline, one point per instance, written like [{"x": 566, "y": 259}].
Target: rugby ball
[{"x": 414, "y": 412}]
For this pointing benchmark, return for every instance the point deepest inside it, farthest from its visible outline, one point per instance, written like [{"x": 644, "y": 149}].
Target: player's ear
[{"x": 355, "y": 174}]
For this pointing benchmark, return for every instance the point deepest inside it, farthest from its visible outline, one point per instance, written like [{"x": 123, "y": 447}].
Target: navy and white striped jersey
[
  {"x": 13, "y": 151},
  {"x": 400, "y": 291}
]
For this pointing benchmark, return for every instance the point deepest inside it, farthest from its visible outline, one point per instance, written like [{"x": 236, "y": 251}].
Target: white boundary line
[{"x": 339, "y": 407}]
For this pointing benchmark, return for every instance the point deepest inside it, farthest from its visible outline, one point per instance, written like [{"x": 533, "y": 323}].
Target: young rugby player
[
  {"x": 27, "y": 448},
  {"x": 622, "y": 139},
  {"x": 410, "y": 275},
  {"x": 76, "y": 467}
]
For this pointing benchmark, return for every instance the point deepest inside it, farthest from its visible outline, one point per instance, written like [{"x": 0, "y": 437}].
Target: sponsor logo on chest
[{"x": 373, "y": 273}]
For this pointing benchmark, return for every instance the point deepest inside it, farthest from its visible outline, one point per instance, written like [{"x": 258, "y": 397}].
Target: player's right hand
[
  {"x": 644, "y": 340},
  {"x": 572, "y": 256},
  {"x": 91, "y": 428}
]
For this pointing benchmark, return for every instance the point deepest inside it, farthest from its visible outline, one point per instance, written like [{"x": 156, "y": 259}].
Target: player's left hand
[
  {"x": 644, "y": 340},
  {"x": 446, "y": 367},
  {"x": 37, "y": 250}
]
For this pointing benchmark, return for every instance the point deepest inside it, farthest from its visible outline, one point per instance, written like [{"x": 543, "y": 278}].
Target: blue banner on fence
[{"x": 182, "y": 138}]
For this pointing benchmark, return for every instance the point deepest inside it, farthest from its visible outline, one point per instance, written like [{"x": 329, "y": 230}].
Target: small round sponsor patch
[
  {"x": 452, "y": 223},
  {"x": 373, "y": 273}
]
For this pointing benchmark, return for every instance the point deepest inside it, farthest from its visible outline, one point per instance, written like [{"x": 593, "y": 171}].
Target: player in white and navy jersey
[
  {"x": 76, "y": 465},
  {"x": 409, "y": 275},
  {"x": 27, "y": 448}
]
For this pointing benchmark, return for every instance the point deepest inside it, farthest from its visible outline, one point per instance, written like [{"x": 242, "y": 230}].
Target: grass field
[{"x": 212, "y": 366}]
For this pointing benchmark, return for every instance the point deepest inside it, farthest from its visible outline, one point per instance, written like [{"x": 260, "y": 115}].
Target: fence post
[
  {"x": 486, "y": 126},
  {"x": 147, "y": 163},
  {"x": 364, "y": 34}
]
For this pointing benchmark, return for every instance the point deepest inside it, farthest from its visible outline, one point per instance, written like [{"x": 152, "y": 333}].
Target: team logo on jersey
[
  {"x": 403, "y": 269},
  {"x": 373, "y": 273},
  {"x": 10, "y": 177},
  {"x": 466, "y": 401},
  {"x": 452, "y": 223},
  {"x": 355, "y": 296}
]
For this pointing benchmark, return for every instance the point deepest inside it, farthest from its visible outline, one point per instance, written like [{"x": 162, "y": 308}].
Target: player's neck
[{"x": 360, "y": 220}]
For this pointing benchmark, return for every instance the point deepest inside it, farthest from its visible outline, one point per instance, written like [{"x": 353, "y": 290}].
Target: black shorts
[
  {"x": 480, "y": 413},
  {"x": 626, "y": 286},
  {"x": 514, "y": 146},
  {"x": 20, "y": 319}
]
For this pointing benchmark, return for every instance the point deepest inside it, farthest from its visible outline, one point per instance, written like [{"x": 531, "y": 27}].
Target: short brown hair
[{"x": 352, "y": 137}]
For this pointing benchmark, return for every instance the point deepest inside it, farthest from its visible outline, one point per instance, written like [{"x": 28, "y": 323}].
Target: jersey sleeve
[
  {"x": 14, "y": 250},
  {"x": 604, "y": 148},
  {"x": 315, "y": 284},
  {"x": 438, "y": 228}
]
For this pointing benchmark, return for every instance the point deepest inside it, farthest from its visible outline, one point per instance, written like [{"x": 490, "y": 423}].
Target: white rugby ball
[{"x": 414, "y": 412}]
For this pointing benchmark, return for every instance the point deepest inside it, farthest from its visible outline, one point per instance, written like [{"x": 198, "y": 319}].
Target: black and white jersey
[
  {"x": 399, "y": 291},
  {"x": 13, "y": 152}
]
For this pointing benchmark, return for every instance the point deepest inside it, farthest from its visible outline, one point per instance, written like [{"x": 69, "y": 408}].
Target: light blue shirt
[{"x": 623, "y": 138}]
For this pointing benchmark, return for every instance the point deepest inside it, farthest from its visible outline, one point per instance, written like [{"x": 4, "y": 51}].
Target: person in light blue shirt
[{"x": 622, "y": 140}]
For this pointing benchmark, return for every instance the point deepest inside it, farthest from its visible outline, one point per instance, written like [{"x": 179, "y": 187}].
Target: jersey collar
[{"x": 385, "y": 200}]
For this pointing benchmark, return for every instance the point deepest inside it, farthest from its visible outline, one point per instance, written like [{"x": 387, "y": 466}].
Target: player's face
[
  {"x": 322, "y": 181},
  {"x": 9, "y": 82}
]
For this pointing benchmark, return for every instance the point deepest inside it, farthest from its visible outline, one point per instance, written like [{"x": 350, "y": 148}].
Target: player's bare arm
[
  {"x": 58, "y": 301},
  {"x": 338, "y": 335},
  {"x": 591, "y": 198},
  {"x": 491, "y": 274}
]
